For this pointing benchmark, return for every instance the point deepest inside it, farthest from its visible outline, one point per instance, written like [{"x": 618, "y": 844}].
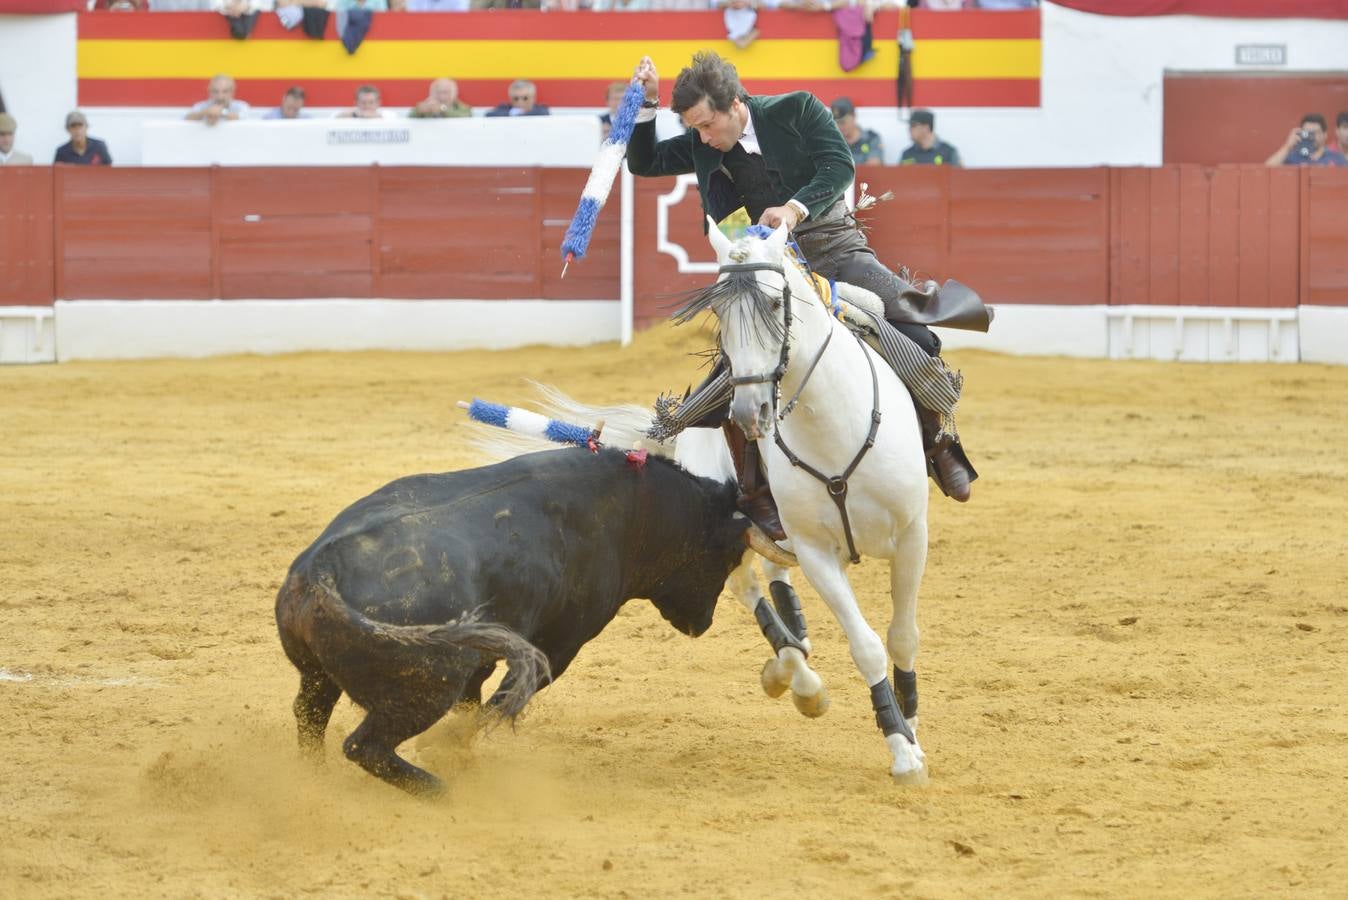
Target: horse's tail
[
  {"x": 356, "y": 650},
  {"x": 624, "y": 425}
]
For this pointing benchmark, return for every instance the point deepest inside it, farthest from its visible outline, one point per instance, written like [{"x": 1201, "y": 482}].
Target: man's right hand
[{"x": 646, "y": 76}]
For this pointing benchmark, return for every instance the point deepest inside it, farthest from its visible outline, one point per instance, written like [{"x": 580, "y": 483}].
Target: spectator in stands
[
  {"x": 626, "y": 5},
  {"x": 523, "y": 101},
  {"x": 292, "y": 105},
  {"x": 82, "y": 150},
  {"x": 437, "y": 5},
  {"x": 8, "y": 155},
  {"x": 927, "y": 149},
  {"x": 367, "y": 105},
  {"x": 741, "y": 21},
  {"x": 865, "y": 144},
  {"x": 1306, "y": 146},
  {"x": 442, "y": 102},
  {"x": 220, "y": 104},
  {"x": 1341, "y": 127},
  {"x": 505, "y": 4},
  {"x": 614, "y": 99}
]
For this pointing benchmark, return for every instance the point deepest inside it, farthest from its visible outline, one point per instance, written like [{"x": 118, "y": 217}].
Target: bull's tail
[{"x": 340, "y": 633}]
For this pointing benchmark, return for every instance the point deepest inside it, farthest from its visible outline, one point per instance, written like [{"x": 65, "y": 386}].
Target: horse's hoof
[
  {"x": 775, "y": 678},
  {"x": 812, "y": 707},
  {"x": 911, "y": 778}
]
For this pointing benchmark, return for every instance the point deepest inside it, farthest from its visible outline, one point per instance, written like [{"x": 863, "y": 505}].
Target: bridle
[{"x": 837, "y": 484}]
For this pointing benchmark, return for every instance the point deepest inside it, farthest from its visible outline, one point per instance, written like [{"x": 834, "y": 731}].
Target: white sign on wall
[{"x": 1261, "y": 54}]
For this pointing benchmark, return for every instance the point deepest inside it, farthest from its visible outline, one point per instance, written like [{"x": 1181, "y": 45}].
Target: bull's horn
[{"x": 767, "y": 548}]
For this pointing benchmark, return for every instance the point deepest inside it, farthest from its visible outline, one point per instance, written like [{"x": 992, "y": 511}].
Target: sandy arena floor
[{"x": 1135, "y": 642}]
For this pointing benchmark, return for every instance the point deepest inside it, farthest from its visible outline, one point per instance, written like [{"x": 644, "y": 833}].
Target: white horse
[
  {"x": 702, "y": 452},
  {"x": 844, "y": 457}
]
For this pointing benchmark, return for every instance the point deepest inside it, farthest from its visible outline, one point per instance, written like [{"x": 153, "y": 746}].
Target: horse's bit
[{"x": 836, "y": 485}]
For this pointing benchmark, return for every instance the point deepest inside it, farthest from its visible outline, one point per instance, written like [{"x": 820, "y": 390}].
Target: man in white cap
[{"x": 8, "y": 155}]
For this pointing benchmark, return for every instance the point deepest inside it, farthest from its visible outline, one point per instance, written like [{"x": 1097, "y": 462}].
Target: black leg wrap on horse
[
  {"x": 887, "y": 715},
  {"x": 905, "y": 685},
  {"x": 787, "y": 601},
  {"x": 778, "y": 635}
]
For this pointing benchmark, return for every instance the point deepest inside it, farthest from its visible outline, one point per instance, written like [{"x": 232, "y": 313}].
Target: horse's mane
[{"x": 764, "y": 320}]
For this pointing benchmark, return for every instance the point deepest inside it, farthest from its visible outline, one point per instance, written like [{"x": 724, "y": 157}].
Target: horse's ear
[
  {"x": 719, "y": 242},
  {"x": 777, "y": 243}
]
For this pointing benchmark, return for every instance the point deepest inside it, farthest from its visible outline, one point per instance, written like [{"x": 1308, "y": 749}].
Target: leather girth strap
[{"x": 837, "y": 485}]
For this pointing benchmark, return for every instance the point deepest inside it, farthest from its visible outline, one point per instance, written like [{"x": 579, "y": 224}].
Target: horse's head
[{"x": 751, "y": 298}]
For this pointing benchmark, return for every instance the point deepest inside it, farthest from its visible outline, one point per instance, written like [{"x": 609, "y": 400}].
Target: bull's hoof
[
  {"x": 814, "y": 706},
  {"x": 776, "y": 678}
]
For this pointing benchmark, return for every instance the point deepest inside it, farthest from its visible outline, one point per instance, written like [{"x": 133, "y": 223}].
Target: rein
[{"x": 837, "y": 484}]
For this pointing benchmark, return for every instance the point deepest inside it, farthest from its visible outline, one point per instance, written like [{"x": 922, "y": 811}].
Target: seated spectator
[
  {"x": 927, "y": 149},
  {"x": 523, "y": 101},
  {"x": 625, "y": 5},
  {"x": 1306, "y": 145},
  {"x": 866, "y": 146},
  {"x": 292, "y": 105},
  {"x": 367, "y": 105},
  {"x": 82, "y": 150},
  {"x": 505, "y": 4},
  {"x": 8, "y": 155},
  {"x": 442, "y": 102},
  {"x": 437, "y": 5},
  {"x": 1341, "y": 128},
  {"x": 614, "y": 98},
  {"x": 220, "y": 104}
]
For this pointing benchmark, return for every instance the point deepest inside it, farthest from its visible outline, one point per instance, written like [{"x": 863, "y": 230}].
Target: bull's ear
[{"x": 733, "y": 530}]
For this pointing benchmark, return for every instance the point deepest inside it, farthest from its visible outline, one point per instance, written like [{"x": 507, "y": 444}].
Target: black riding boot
[
  {"x": 946, "y": 461},
  {"x": 755, "y": 499}
]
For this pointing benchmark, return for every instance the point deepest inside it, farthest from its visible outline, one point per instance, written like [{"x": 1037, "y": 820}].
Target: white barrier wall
[
  {"x": 121, "y": 329},
  {"x": 558, "y": 141}
]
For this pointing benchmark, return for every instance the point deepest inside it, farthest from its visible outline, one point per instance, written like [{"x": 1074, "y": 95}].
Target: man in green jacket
[{"x": 783, "y": 159}]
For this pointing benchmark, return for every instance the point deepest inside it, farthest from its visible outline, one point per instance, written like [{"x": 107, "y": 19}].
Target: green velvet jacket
[{"x": 800, "y": 143}]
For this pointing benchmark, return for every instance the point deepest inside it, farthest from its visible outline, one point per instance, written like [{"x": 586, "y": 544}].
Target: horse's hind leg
[
  {"x": 826, "y": 573},
  {"x": 313, "y": 709},
  {"x": 905, "y": 575},
  {"x": 373, "y": 744}
]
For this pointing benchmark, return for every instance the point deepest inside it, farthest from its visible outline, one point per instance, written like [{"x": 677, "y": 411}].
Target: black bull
[{"x": 410, "y": 597}]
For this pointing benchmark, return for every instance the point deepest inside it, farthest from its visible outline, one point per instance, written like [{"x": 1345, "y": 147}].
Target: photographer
[{"x": 1305, "y": 146}]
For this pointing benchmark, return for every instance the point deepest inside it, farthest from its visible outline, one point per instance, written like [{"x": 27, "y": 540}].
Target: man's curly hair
[{"x": 711, "y": 77}]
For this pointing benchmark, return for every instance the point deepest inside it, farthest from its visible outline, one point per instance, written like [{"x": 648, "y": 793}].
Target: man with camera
[{"x": 1306, "y": 146}]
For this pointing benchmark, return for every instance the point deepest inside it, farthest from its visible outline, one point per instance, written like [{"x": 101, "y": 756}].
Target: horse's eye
[{"x": 776, "y": 305}]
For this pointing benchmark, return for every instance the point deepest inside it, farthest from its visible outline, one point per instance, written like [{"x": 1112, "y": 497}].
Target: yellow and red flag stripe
[{"x": 969, "y": 58}]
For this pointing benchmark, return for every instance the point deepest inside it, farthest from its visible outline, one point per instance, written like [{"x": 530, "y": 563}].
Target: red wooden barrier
[
  {"x": 1196, "y": 236},
  {"x": 1325, "y": 238},
  {"x": 27, "y": 258},
  {"x": 1175, "y": 235}
]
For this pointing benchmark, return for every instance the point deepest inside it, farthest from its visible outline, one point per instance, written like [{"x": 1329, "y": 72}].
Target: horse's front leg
[
  {"x": 788, "y": 668},
  {"x": 825, "y": 571},
  {"x": 905, "y": 574}
]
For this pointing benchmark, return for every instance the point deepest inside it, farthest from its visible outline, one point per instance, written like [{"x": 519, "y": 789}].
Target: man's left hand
[{"x": 774, "y": 216}]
